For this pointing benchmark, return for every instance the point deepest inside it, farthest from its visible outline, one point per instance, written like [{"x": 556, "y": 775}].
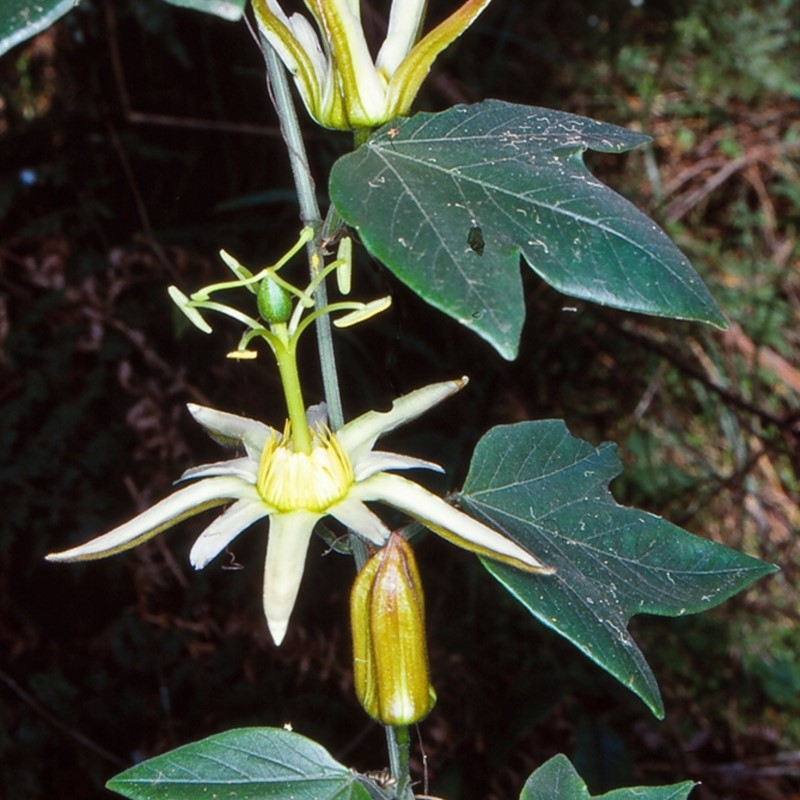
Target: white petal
[
  {"x": 289, "y": 535},
  {"x": 275, "y": 8},
  {"x": 405, "y": 25},
  {"x": 309, "y": 41},
  {"x": 358, "y": 437},
  {"x": 244, "y": 468},
  {"x": 380, "y": 461},
  {"x": 355, "y": 7},
  {"x": 285, "y": 54},
  {"x": 300, "y": 57},
  {"x": 353, "y": 72},
  {"x": 224, "y": 529},
  {"x": 232, "y": 430},
  {"x": 164, "y": 514},
  {"x": 355, "y": 515},
  {"x": 445, "y": 520}
]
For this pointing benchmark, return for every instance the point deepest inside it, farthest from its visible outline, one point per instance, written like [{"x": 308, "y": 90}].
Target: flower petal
[
  {"x": 231, "y": 430},
  {"x": 307, "y": 39},
  {"x": 244, "y": 468},
  {"x": 358, "y": 437},
  {"x": 355, "y": 515},
  {"x": 289, "y": 535},
  {"x": 279, "y": 31},
  {"x": 164, "y": 514},
  {"x": 447, "y": 521},
  {"x": 381, "y": 461},
  {"x": 412, "y": 71},
  {"x": 405, "y": 26},
  {"x": 358, "y": 83},
  {"x": 225, "y": 528}
]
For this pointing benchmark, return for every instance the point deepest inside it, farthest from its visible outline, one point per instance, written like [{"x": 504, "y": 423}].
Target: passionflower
[
  {"x": 337, "y": 476},
  {"x": 340, "y": 84}
]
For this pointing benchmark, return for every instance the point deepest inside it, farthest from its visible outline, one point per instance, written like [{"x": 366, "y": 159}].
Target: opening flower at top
[
  {"x": 295, "y": 487},
  {"x": 340, "y": 84}
]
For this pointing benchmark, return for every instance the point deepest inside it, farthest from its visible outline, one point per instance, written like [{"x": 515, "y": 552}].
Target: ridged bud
[{"x": 390, "y": 654}]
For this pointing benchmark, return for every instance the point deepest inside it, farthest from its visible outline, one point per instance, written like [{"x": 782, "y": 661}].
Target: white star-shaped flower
[{"x": 339, "y": 476}]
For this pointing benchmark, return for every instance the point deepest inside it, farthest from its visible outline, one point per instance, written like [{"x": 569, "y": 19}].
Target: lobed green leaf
[
  {"x": 548, "y": 491},
  {"x": 449, "y": 201}
]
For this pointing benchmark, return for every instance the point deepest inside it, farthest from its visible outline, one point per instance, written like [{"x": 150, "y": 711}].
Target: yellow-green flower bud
[
  {"x": 274, "y": 302},
  {"x": 390, "y": 656}
]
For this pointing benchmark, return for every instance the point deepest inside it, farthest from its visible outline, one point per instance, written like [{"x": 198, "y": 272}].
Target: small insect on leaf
[{"x": 475, "y": 239}]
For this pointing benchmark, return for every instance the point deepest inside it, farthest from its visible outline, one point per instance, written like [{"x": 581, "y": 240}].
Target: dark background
[{"x": 136, "y": 140}]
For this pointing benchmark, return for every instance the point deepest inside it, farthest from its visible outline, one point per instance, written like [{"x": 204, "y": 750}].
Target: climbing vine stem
[{"x": 310, "y": 215}]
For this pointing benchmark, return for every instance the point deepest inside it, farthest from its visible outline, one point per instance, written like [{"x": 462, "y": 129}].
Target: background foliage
[{"x": 136, "y": 139}]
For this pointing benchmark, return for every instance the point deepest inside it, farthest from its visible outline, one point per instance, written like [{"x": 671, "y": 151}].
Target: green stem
[
  {"x": 360, "y": 136},
  {"x": 286, "y": 358},
  {"x": 397, "y": 738},
  {"x": 310, "y": 215},
  {"x": 398, "y": 742}
]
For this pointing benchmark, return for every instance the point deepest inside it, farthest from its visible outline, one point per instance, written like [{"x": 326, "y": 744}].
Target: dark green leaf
[
  {"x": 557, "y": 780},
  {"x": 21, "y": 19},
  {"x": 249, "y": 764},
  {"x": 549, "y": 491},
  {"x": 449, "y": 201},
  {"x": 227, "y": 9}
]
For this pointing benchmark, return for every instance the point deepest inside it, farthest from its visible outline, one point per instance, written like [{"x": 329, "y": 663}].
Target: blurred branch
[
  {"x": 77, "y": 736},
  {"x": 721, "y": 170},
  {"x": 789, "y": 424},
  {"x": 169, "y": 120}
]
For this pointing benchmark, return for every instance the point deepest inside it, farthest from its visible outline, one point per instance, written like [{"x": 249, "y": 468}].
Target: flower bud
[{"x": 390, "y": 657}]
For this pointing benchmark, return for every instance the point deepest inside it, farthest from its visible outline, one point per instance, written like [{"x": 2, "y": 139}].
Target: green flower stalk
[
  {"x": 341, "y": 86},
  {"x": 390, "y": 652},
  {"x": 295, "y": 486}
]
